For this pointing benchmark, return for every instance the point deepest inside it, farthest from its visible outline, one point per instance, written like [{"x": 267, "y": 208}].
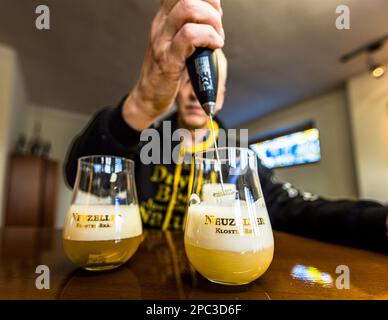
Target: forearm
[
  {"x": 356, "y": 223},
  {"x": 139, "y": 110},
  {"x": 176, "y": 30}
]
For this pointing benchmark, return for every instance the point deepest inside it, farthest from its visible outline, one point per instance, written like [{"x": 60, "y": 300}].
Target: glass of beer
[
  {"x": 228, "y": 235},
  {"x": 103, "y": 227}
]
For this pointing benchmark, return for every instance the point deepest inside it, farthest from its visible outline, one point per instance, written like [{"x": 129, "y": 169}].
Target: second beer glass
[
  {"x": 103, "y": 227},
  {"x": 228, "y": 235}
]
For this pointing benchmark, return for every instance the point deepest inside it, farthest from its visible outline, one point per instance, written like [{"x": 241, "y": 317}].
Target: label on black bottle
[{"x": 202, "y": 66}]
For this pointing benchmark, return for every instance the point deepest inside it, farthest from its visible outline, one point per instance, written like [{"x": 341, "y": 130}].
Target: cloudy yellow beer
[
  {"x": 102, "y": 237},
  {"x": 229, "y": 266},
  {"x": 101, "y": 255},
  {"x": 229, "y": 244}
]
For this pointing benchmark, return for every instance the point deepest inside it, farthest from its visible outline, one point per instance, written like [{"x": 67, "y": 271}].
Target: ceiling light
[{"x": 377, "y": 71}]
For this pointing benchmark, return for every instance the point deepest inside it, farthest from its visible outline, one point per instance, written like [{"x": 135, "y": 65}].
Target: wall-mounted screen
[{"x": 288, "y": 150}]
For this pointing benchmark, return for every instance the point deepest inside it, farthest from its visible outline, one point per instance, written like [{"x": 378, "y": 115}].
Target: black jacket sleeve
[
  {"x": 106, "y": 134},
  {"x": 355, "y": 223}
]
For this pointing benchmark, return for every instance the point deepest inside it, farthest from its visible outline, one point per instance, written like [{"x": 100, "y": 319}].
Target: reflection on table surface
[{"x": 302, "y": 269}]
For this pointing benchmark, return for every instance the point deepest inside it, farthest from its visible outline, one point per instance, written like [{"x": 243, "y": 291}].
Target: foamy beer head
[
  {"x": 102, "y": 222},
  {"x": 231, "y": 227}
]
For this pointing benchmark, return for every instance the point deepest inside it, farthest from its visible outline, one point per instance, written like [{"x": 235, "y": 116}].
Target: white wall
[
  {"x": 368, "y": 99},
  {"x": 13, "y": 100},
  {"x": 17, "y": 116},
  {"x": 334, "y": 175},
  {"x": 60, "y": 127}
]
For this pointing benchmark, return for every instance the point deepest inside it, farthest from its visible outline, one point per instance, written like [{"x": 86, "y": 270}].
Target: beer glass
[
  {"x": 103, "y": 227},
  {"x": 228, "y": 235}
]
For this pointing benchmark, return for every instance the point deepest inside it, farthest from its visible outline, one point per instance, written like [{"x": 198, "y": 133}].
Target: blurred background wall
[
  {"x": 13, "y": 102},
  {"x": 334, "y": 176},
  {"x": 353, "y": 124},
  {"x": 368, "y": 101},
  {"x": 18, "y": 115},
  {"x": 61, "y": 127}
]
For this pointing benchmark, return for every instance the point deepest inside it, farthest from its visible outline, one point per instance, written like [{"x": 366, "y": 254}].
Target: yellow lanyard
[{"x": 177, "y": 175}]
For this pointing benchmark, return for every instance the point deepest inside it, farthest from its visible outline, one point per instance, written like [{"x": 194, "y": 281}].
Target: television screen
[{"x": 289, "y": 150}]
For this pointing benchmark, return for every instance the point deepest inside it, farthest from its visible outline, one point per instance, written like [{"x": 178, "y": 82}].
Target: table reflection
[
  {"x": 310, "y": 274},
  {"x": 301, "y": 269}
]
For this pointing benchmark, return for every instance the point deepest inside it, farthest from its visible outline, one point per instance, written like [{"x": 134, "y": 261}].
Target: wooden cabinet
[{"x": 31, "y": 191}]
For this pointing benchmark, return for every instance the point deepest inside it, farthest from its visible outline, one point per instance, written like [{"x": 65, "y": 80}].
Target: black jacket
[{"x": 355, "y": 223}]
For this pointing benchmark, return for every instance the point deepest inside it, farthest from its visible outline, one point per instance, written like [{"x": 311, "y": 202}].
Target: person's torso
[{"x": 164, "y": 188}]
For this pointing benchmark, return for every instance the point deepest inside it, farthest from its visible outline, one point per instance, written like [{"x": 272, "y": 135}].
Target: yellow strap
[
  {"x": 191, "y": 178},
  {"x": 178, "y": 170},
  {"x": 213, "y": 177},
  {"x": 177, "y": 176},
  {"x": 189, "y": 190},
  {"x": 209, "y": 140}
]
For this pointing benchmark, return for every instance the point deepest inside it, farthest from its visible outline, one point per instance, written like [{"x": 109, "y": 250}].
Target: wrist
[{"x": 137, "y": 110}]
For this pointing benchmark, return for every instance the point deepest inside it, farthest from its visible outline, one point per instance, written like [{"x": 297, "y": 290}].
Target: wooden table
[{"x": 301, "y": 269}]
